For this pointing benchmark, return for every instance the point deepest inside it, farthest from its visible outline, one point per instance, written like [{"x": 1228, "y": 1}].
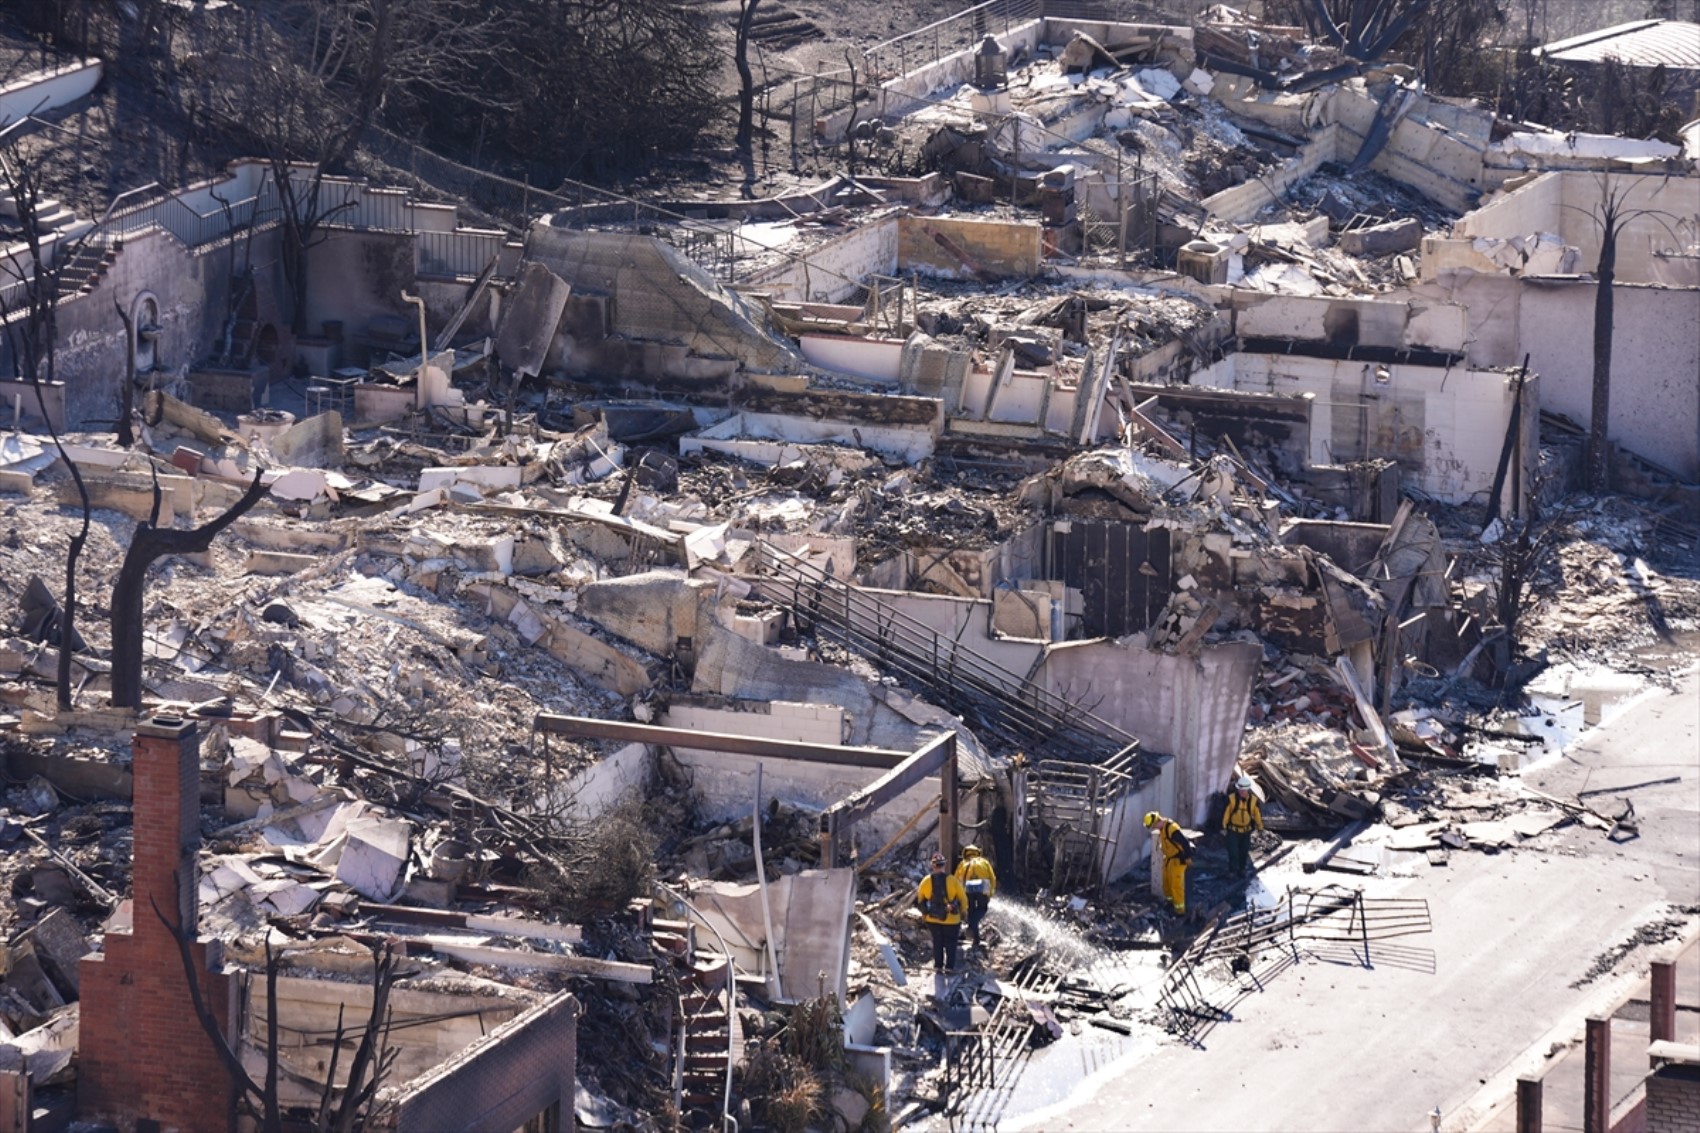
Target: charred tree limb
[
  {"x": 148, "y": 544},
  {"x": 33, "y": 336},
  {"x": 127, "y": 395},
  {"x": 271, "y": 1118}
]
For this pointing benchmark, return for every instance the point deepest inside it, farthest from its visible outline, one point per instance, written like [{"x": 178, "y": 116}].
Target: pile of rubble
[{"x": 964, "y": 554}]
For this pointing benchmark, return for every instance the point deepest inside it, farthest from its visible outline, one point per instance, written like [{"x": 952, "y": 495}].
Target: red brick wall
[{"x": 142, "y": 1052}]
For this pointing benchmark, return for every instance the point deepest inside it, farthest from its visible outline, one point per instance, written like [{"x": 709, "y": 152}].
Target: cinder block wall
[{"x": 142, "y": 1051}]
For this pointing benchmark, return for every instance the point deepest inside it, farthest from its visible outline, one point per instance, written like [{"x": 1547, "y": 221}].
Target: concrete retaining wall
[
  {"x": 833, "y": 271},
  {"x": 191, "y": 293},
  {"x": 1193, "y": 708},
  {"x": 1242, "y": 202},
  {"x": 48, "y": 90},
  {"x": 1445, "y": 426}
]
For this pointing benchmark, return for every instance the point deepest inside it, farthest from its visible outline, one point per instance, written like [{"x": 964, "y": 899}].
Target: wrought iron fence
[{"x": 1316, "y": 918}]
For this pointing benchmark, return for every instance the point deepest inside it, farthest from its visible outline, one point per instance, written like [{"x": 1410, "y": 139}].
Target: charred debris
[{"x": 637, "y": 603}]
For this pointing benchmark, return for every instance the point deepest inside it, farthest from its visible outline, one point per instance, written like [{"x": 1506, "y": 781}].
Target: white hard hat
[{"x": 1244, "y": 783}]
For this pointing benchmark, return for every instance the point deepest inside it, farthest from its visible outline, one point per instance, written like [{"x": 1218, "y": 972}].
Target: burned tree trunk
[
  {"x": 149, "y": 543},
  {"x": 343, "y": 1110},
  {"x": 127, "y": 395},
  {"x": 1599, "y": 457},
  {"x": 746, "y": 77},
  {"x": 32, "y": 330}
]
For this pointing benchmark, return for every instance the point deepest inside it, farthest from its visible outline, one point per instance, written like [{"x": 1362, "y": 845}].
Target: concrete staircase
[
  {"x": 779, "y": 27},
  {"x": 53, "y": 217},
  {"x": 57, "y": 225},
  {"x": 87, "y": 266}
]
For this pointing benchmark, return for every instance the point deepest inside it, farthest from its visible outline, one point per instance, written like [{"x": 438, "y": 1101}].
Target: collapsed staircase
[
  {"x": 704, "y": 1028},
  {"x": 941, "y": 668}
]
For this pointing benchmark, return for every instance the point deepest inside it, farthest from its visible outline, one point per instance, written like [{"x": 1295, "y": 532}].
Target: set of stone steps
[
  {"x": 777, "y": 27},
  {"x": 87, "y": 266},
  {"x": 51, "y": 215},
  {"x": 56, "y": 224},
  {"x": 936, "y": 665}
]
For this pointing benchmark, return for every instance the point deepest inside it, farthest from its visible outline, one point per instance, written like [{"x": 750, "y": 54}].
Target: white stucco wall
[
  {"x": 1655, "y": 394},
  {"x": 726, "y": 783},
  {"x": 1193, "y": 708},
  {"x": 612, "y": 780},
  {"x": 1663, "y": 214},
  {"x": 48, "y": 90},
  {"x": 1446, "y": 426}
]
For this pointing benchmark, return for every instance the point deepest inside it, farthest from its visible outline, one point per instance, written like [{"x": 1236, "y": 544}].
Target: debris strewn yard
[{"x": 638, "y": 598}]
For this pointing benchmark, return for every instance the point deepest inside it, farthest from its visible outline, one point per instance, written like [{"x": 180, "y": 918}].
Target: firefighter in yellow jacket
[
  {"x": 942, "y": 901},
  {"x": 980, "y": 882},
  {"x": 1172, "y": 843},
  {"x": 1242, "y": 814}
]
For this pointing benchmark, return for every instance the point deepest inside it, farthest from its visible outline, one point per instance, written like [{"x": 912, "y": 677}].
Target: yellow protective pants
[{"x": 1174, "y": 883}]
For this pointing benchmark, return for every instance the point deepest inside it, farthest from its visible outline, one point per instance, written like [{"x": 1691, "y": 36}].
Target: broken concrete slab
[
  {"x": 278, "y": 562},
  {"x": 285, "y": 896},
  {"x": 493, "y": 477},
  {"x": 531, "y": 315},
  {"x": 313, "y": 443},
  {"x": 60, "y": 946},
  {"x": 303, "y": 485},
  {"x": 45, "y": 1052},
  {"x": 1531, "y": 823},
  {"x": 367, "y": 851},
  {"x": 1383, "y": 239},
  {"x": 1492, "y": 835}
]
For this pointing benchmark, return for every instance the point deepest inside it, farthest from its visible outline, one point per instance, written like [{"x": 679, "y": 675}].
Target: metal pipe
[
  {"x": 590, "y": 728},
  {"x": 419, "y": 401},
  {"x": 766, "y": 905}
]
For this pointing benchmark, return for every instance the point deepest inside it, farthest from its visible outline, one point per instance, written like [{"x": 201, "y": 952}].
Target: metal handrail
[
  {"x": 922, "y": 651},
  {"x": 901, "y": 648},
  {"x": 731, "y": 1122}
]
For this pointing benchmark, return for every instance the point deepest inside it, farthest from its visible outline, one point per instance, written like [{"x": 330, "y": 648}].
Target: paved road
[{"x": 1334, "y": 1047}]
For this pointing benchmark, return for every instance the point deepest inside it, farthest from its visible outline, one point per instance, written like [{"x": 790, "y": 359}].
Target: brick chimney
[{"x": 142, "y": 1053}]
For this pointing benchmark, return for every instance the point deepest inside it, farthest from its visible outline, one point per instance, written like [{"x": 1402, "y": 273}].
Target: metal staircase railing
[
  {"x": 1074, "y": 805},
  {"x": 945, "y": 669}
]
